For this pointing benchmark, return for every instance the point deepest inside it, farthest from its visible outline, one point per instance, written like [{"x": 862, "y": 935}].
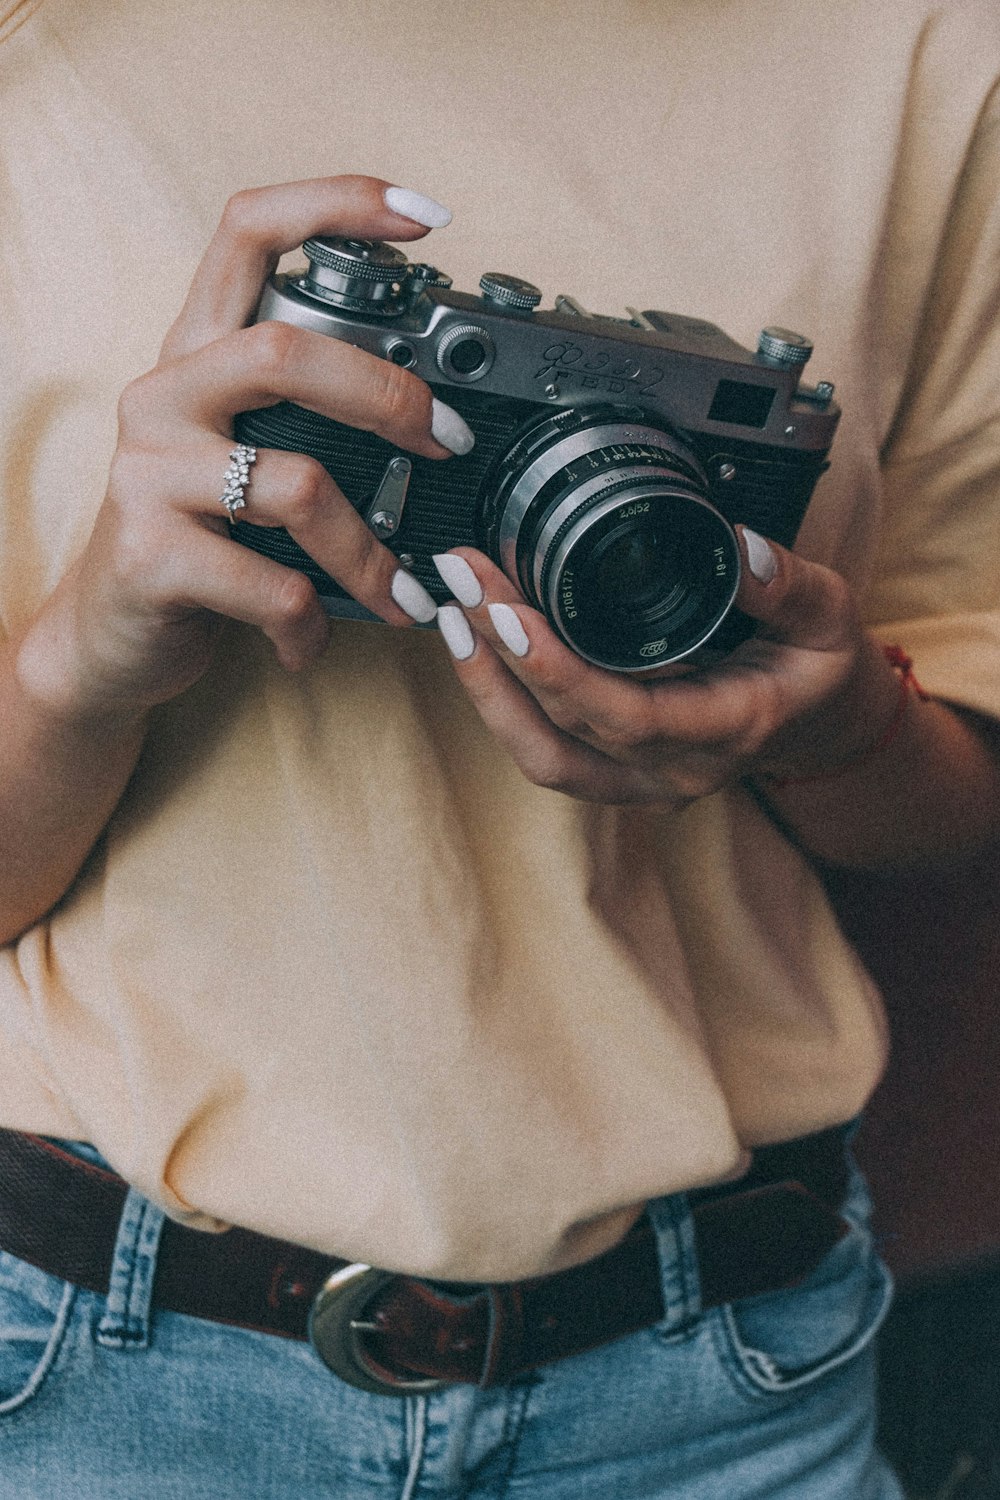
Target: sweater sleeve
[{"x": 935, "y": 586}]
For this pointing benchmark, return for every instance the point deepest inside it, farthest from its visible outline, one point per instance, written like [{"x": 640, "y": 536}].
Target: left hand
[{"x": 811, "y": 691}]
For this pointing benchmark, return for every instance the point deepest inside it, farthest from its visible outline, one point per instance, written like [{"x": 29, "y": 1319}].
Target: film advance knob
[
  {"x": 509, "y": 291},
  {"x": 782, "y": 347}
]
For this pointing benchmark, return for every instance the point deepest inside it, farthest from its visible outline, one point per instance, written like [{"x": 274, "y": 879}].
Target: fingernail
[
  {"x": 456, "y": 631},
  {"x": 415, "y": 206},
  {"x": 412, "y": 597},
  {"x": 459, "y": 577},
  {"x": 760, "y": 557},
  {"x": 509, "y": 628},
  {"x": 449, "y": 429}
]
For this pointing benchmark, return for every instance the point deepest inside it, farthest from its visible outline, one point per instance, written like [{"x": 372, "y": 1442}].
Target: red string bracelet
[{"x": 903, "y": 667}]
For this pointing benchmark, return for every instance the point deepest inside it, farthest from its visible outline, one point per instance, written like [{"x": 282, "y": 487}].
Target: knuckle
[
  {"x": 689, "y": 783},
  {"x": 564, "y": 715},
  {"x": 619, "y": 738},
  {"x": 129, "y": 556},
  {"x": 627, "y": 733},
  {"x": 142, "y": 555},
  {"x": 294, "y": 600},
  {"x": 136, "y": 402},
  {"x": 838, "y": 592},
  {"x": 817, "y": 600},
  {"x": 135, "y": 524},
  {"x": 691, "y": 788},
  {"x": 128, "y": 475},
  {"x": 240, "y": 213},
  {"x": 272, "y": 346},
  {"x": 760, "y": 717},
  {"x": 757, "y": 732},
  {"x": 304, "y": 486},
  {"x": 547, "y": 769},
  {"x": 404, "y": 401}
]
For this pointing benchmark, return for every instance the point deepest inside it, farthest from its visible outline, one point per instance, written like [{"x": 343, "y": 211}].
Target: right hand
[{"x": 137, "y": 615}]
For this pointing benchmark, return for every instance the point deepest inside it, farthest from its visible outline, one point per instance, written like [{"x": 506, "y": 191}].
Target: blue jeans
[{"x": 104, "y": 1398}]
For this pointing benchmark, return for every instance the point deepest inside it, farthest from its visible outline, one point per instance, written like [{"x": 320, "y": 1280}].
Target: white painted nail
[
  {"x": 509, "y": 628},
  {"x": 412, "y": 597},
  {"x": 760, "y": 556},
  {"x": 459, "y": 577},
  {"x": 456, "y": 631},
  {"x": 449, "y": 429},
  {"x": 416, "y": 206}
]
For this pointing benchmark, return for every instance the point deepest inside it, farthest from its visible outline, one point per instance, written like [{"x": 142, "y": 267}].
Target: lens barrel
[{"x": 604, "y": 523}]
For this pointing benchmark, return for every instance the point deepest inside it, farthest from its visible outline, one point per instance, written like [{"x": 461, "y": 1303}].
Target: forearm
[
  {"x": 62, "y": 772},
  {"x": 930, "y": 797}
]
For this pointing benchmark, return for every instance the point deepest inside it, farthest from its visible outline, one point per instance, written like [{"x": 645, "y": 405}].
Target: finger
[
  {"x": 296, "y": 492},
  {"x": 563, "y": 683},
  {"x": 547, "y": 757},
  {"x": 621, "y": 714},
  {"x": 259, "y": 225},
  {"x": 206, "y": 571},
  {"x": 796, "y": 602},
  {"x": 274, "y": 362},
  {"x": 608, "y": 708}
]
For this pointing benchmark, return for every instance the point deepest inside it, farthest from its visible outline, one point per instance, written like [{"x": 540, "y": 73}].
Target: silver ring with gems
[{"x": 236, "y": 479}]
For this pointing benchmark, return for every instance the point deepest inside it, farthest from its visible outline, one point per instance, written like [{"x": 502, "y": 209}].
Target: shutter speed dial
[{"x": 354, "y": 273}]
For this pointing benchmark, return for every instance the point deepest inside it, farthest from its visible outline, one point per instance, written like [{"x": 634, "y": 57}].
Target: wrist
[{"x": 56, "y": 683}]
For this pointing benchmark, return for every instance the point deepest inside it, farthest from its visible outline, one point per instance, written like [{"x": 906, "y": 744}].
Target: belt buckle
[{"x": 337, "y": 1326}]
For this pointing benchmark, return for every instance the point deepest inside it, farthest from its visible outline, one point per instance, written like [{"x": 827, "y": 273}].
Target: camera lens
[
  {"x": 606, "y": 526},
  {"x": 639, "y": 576}
]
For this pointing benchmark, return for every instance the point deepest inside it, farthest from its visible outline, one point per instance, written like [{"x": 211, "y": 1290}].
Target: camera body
[{"x": 613, "y": 456}]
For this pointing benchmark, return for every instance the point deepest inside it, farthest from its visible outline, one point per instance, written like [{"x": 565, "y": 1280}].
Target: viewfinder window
[{"x": 742, "y": 404}]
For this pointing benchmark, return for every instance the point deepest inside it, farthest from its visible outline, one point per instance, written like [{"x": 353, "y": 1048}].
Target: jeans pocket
[
  {"x": 780, "y": 1341},
  {"x": 34, "y": 1314}
]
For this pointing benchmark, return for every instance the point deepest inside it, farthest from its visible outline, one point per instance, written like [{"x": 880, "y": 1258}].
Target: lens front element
[
  {"x": 605, "y": 525},
  {"x": 642, "y": 577}
]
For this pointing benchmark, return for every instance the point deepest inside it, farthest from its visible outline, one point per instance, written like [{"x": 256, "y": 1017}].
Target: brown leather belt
[{"x": 393, "y": 1334}]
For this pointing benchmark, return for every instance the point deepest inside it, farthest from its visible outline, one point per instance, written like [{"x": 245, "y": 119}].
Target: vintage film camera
[{"x": 612, "y": 456}]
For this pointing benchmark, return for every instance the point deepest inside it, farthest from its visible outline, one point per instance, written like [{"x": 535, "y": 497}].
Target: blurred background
[{"x": 930, "y": 1144}]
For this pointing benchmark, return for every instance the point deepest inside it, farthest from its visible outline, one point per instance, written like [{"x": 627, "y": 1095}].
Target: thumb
[{"x": 796, "y": 602}]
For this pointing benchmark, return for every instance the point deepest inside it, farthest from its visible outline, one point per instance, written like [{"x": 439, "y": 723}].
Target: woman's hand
[
  {"x": 810, "y": 691},
  {"x": 134, "y": 621}
]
